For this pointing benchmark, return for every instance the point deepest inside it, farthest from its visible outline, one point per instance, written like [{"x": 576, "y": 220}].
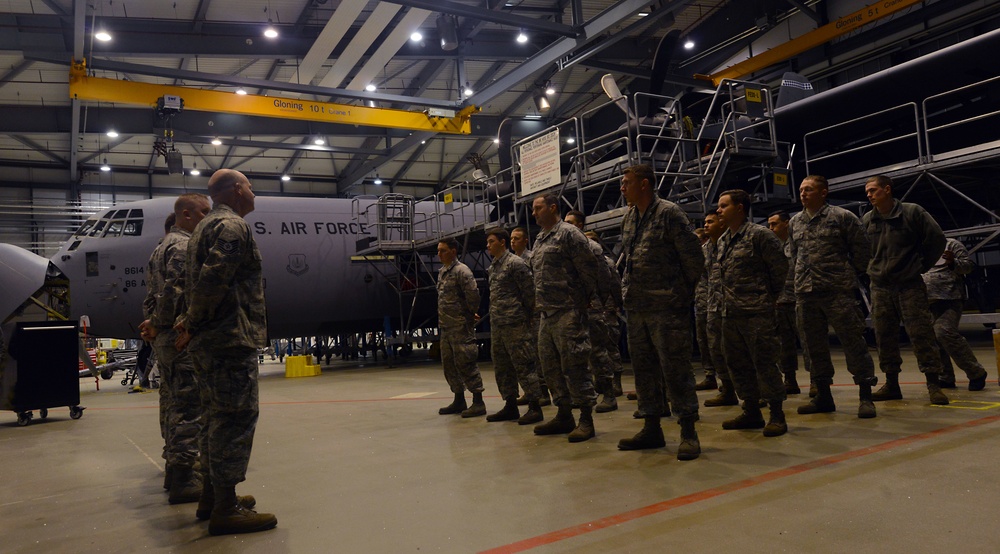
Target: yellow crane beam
[
  {"x": 84, "y": 87},
  {"x": 811, "y": 39}
]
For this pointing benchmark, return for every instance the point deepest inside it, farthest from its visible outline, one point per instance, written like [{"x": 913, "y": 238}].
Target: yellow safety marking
[
  {"x": 413, "y": 395},
  {"x": 781, "y": 179},
  {"x": 449, "y": 198},
  {"x": 84, "y": 87},
  {"x": 754, "y": 95},
  {"x": 963, "y": 405}
]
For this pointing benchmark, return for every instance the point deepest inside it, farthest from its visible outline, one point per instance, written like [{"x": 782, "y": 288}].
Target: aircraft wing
[{"x": 22, "y": 273}]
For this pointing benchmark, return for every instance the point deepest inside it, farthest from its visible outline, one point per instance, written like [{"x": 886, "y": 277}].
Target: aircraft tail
[{"x": 794, "y": 87}]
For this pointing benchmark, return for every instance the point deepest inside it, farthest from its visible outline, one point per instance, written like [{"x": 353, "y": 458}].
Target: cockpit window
[
  {"x": 99, "y": 228},
  {"x": 87, "y": 226},
  {"x": 115, "y": 228},
  {"x": 120, "y": 214},
  {"x": 133, "y": 227}
]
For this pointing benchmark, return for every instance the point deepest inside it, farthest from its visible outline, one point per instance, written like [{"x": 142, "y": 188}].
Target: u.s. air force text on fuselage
[{"x": 312, "y": 228}]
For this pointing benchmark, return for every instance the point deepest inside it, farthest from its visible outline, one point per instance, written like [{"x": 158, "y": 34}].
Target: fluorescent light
[
  {"x": 642, "y": 14},
  {"x": 532, "y": 116},
  {"x": 522, "y": 38},
  {"x": 241, "y": 91},
  {"x": 216, "y": 142},
  {"x": 371, "y": 87},
  {"x": 286, "y": 178},
  {"x": 319, "y": 141},
  {"x": 102, "y": 35},
  {"x": 689, "y": 45},
  {"x": 416, "y": 36},
  {"x": 112, "y": 133}
]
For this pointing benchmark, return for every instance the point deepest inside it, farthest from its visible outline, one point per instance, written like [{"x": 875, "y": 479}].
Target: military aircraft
[{"x": 315, "y": 284}]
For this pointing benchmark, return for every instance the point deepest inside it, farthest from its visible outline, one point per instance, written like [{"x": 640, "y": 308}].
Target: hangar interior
[{"x": 104, "y": 102}]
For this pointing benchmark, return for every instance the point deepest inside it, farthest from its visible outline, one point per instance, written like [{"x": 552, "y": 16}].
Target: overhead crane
[
  {"x": 86, "y": 87},
  {"x": 812, "y": 39}
]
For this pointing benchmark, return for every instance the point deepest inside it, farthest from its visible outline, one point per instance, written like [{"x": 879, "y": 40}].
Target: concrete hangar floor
[{"x": 357, "y": 460}]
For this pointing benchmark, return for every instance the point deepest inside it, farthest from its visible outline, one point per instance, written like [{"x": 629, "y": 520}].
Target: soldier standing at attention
[
  {"x": 458, "y": 301},
  {"x": 154, "y": 286},
  {"x": 225, "y": 323},
  {"x": 713, "y": 318},
  {"x": 519, "y": 245},
  {"x": 565, "y": 274},
  {"x": 829, "y": 248},
  {"x": 788, "y": 330},
  {"x": 180, "y": 401},
  {"x": 701, "y": 322},
  {"x": 946, "y": 293},
  {"x": 905, "y": 242},
  {"x": 512, "y": 301},
  {"x": 611, "y": 314},
  {"x": 663, "y": 262},
  {"x": 608, "y": 285},
  {"x": 753, "y": 269}
]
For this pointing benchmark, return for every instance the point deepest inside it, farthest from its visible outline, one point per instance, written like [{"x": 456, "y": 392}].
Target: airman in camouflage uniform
[
  {"x": 905, "y": 242},
  {"x": 565, "y": 274},
  {"x": 784, "y": 312},
  {"x": 829, "y": 248},
  {"x": 701, "y": 322},
  {"x": 663, "y": 262},
  {"x": 458, "y": 303},
  {"x": 519, "y": 245},
  {"x": 224, "y": 325},
  {"x": 512, "y": 302},
  {"x": 713, "y": 317},
  {"x": 180, "y": 400},
  {"x": 946, "y": 293},
  {"x": 753, "y": 269},
  {"x": 608, "y": 284},
  {"x": 612, "y": 321}
]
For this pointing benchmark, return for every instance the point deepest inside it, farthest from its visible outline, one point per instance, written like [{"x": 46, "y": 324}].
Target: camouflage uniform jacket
[
  {"x": 605, "y": 280},
  {"x": 154, "y": 280},
  {"x": 664, "y": 259},
  {"x": 828, "y": 250},
  {"x": 166, "y": 271},
  {"x": 564, "y": 269},
  {"x": 458, "y": 296},
  {"x": 225, "y": 287},
  {"x": 615, "y": 300},
  {"x": 714, "y": 272},
  {"x": 787, "y": 295},
  {"x": 752, "y": 268},
  {"x": 526, "y": 256},
  {"x": 904, "y": 244},
  {"x": 512, "y": 291},
  {"x": 946, "y": 281}
]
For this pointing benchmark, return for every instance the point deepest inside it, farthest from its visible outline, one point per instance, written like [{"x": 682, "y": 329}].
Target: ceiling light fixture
[
  {"x": 105, "y": 167},
  {"x": 377, "y": 181},
  {"x": 689, "y": 44},
  {"x": 467, "y": 91},
  {"x": 550, "y": 90},
  {"x": 286, "y": 178},
  {"x": 496, "y": 140},
  {"x": 521, "y": 37},
  {"x": 541, "y": 102},
  {"x": 570, "y": 140},
  {"x": 642, "y": 14},
  {"x": 216, "y": 142},
  {"x": 194, "y": 170},
  {"x": 371, "y": 87},
  {"x": 112, "y": 133},
  {"x": 319, "y": 141},
  {"x": 270, "y": 32},
  {"x": 241, "y": 91},
  {"x": 102, "y": 35},
  {"x": 415, "y": 36}
]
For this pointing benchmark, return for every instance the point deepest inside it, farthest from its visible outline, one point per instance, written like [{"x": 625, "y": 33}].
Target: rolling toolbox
[{"x": 40, "y": 369}]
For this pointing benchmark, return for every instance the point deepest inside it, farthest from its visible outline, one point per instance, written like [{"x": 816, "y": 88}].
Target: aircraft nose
[{"x": 22, "y": 273}]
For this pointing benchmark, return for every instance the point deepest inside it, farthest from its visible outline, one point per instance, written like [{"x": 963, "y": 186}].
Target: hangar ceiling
[{"x": 337, "y": 50}]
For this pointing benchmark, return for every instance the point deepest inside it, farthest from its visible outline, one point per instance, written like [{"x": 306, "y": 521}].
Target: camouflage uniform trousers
[
  {"x": 563, "y": 348},
  {"x": 514, "y": 360},
  {"x": 600, "y": 361},
  {"x": 713, "y": 333},
  {"x": 701, "y": 333},
  {"x": 751, "y": 348},
  {"x": 458, "y": 356},
  {"x": 614, "y": 338},
  {"x": 816, "y": 313},
  {"x": 788, "y": 334},
  {"x": 907, "y": 302},
  {"x": 947, "y": 314},
  {"x": 227, "y": 380},
  {"x": 180, "y": 402},
  {"x": 660, "y": 346}
]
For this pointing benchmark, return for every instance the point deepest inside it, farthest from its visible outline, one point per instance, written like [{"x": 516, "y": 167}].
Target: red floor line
[{"x": 687, "y": 500}]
